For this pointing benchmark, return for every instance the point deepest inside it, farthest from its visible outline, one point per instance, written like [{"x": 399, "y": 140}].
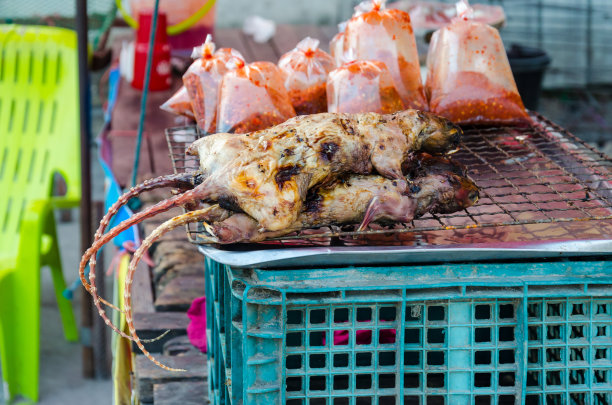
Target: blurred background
[
  {"x": 575, "y": 34},
  {"x": 571, "y": 41}
]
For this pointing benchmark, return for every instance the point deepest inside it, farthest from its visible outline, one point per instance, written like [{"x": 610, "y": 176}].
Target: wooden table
[{"x": 163, "y": 293}]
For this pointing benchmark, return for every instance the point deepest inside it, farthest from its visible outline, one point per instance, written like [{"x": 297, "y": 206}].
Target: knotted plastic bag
[
  {"x": 362, "y": 86},
  {"x": 202, "y": 81},
  {"x": 305, "y": 69},
  {"x": 375, "y": 33},
  {"x": 179, "y": 104},
  {"x": 253, "y": 97},
  {"x": 469, "y": 79},
  {"x": 336, "y": 45}
]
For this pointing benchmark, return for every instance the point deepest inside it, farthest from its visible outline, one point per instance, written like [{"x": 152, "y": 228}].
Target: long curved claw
[{"x": 193, "y": 216}]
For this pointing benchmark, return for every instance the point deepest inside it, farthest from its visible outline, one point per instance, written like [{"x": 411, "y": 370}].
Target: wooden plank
[
  {"x": 231, "y": 38},
  {"x": 184, "y": 393},
  {"x": 152, "y": 325},
  {"x": 327, "y": 32},
  {"x": 178, "y": 294},
  {"x": 285, "y": 38},
  {"x": 260, "y": 51},
  {"x": 142, "y": 290},
  {"x": 303, "y": 31},
  {"x": 147, "y": 374},
  {"x": 171, "y": 254}
]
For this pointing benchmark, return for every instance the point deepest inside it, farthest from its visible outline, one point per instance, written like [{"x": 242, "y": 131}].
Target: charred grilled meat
[
  {"x": 268, "y": 173},
  {"x": 366, "y": 199}
]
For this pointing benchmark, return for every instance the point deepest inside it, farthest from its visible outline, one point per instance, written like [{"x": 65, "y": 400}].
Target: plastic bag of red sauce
[
  {"x": 362, "y": 86},
  {"x": 375, "y": 33},
  {"x": 253, "y": 97},
  {"x": 469, "y": 79},
  {"x": 202, "y": 81},
  {"x": 305, "y": 74},
  {"x": 179, "y": 104}
]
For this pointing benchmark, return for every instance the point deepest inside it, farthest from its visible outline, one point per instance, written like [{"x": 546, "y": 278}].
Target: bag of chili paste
[
  {"x": 305, "y": 69},
  {"x": 253, "y": 97},
  {"x": 469, "y": 79},
  {"x": 362, "y": 86},
  {"x": 202, "y": 81},
  {"x": 375, "y": 33},
  {"x": 179, "y": 104}
]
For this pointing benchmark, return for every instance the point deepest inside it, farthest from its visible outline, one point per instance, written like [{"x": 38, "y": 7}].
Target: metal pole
[{"x": 86, "y": 219}]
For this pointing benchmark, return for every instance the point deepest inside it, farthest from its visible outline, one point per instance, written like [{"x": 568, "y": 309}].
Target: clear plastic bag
[
  {"x": 202, "y": 81},
  {"x": 336, "y": 48},
  {"x": 362, "y": 86},
  {"x": 305, "y": 72},
  {"x": 375, "y": 33},
  {"x": 253, "y": 97},
  {"x": 469, "y": 79},
  {"x": 179, "y": 104}
]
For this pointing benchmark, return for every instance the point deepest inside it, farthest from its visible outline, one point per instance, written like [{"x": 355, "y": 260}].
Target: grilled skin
[
  {"x": 267, "y": 174},
  {"x": 373, "y": 198}
]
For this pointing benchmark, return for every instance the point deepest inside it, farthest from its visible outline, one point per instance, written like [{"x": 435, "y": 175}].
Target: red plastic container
[{"x": 160, "y": 70}]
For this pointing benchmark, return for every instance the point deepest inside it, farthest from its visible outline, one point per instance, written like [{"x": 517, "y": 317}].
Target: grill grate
[{"x": 538, "y": 182}]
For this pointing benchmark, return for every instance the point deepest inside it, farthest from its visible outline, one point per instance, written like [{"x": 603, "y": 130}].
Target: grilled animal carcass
[
  {"x": 267, "y": 176},
  {"x": 268, "y": 173},
  {"x": 436, "y": 185}
]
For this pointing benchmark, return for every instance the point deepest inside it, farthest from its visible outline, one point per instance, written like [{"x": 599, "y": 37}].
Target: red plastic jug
[{"x": 160, "y": 69}]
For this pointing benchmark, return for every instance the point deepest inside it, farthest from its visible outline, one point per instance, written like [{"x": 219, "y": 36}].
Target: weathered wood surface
[
  {"x": 184, "y": 393},
  {"x": 147, "y": 374},
  {"x": 178, "y": 294},
  {"x": 152, "y": 325}
]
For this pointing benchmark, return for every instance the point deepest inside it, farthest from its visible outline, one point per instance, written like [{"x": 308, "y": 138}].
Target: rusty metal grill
[{"x": 536, "y": 183}]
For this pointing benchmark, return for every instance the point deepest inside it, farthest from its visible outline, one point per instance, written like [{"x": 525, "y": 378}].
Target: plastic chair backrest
[{"x": 39, "y": 122}]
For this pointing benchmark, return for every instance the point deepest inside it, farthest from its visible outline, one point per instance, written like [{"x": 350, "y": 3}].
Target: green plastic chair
[{"x": 39, "y": 136}]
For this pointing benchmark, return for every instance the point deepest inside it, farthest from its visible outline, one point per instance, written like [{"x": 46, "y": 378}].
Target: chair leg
[
  {"x": 52, "y": 259},
  {"x": 20, "y": 337}
]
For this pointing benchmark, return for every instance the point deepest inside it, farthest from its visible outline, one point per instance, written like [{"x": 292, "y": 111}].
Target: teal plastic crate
[{"x": 501, "y": 333}]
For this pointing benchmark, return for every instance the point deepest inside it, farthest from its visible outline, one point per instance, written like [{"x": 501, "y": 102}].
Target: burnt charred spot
[
  {"x": 347, "y": 126},
  {"x": 381, "y": 147},
  {"x": 285, "y": 174},
  {"x": 299, "y": 139},
  {"x": 275, "y": 211},
  {"x": 229, "y": 203},
  {"x": 328, "y": 150},
  {"x": 313, "y": 203},
  {"x": 261, "y": 168},
  {"x": 422, "y": 116},
  {"x": 250, "y": 183},
  {"x": 288, "y": 152},
  {"x": 394, "y": 182},
  {"x": 414, "y": 188}
]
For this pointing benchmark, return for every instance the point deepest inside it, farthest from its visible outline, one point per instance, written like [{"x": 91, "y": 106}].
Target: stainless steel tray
[{"x": 392, "y": 255}]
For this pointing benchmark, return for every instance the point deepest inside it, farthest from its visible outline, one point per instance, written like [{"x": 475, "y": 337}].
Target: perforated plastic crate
[{"x": 531, "y": 333}]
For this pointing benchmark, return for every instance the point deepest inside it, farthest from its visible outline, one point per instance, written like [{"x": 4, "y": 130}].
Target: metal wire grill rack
[{"x": 536, "y": 183}]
